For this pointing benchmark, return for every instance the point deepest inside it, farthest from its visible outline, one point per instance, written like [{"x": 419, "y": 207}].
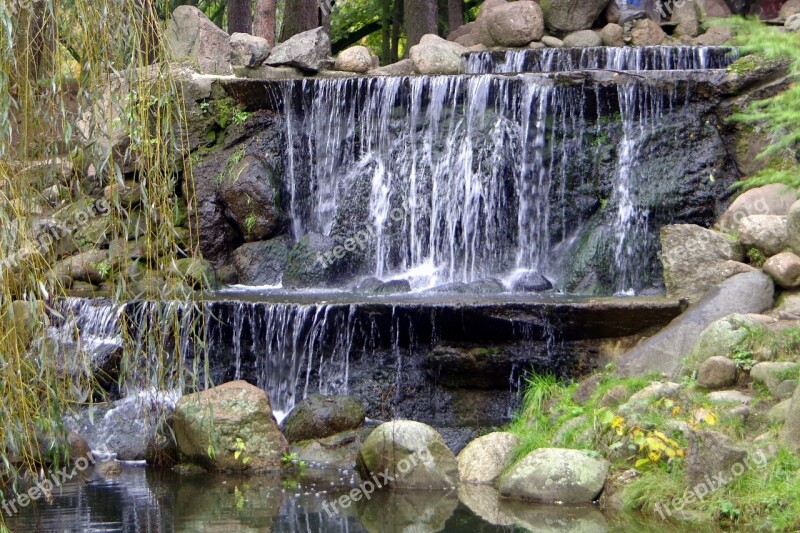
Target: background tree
[
  {"x": 455, "y": 15},
  {"x": 420, "y": 19},
  {"x": 299, "y": 16},
  {"x": 240, "y": 17},
  {"x": 264, "y": 20}
]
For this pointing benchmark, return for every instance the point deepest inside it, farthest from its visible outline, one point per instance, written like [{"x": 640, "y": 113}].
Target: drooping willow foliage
[
  {"x": 91, "y": 115},
  {"x": 779, "y": 114}
]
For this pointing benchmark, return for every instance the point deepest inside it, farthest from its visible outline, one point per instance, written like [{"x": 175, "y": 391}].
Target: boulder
[
  {"x": 464, "y": 29},
  {"x": 515, "y": 24},
  {"x": 654, "y": 392},
  {"x": 354, "y": 59},
  {"x": 792, "y": 23},
  {"x": 552, "y": 42},
  {"x": 729, "y": 396},
  {"x": 262, "y": 262},
  {"x": 647, "y": 32},
  {"x": 404, "y": 67},
  {"x": 306, "y": 51},
  {"x": 251, "y": 198},
  {"x": 793, "y": 227},
  {"x": 612, "y": 35},
  {"x": 485, "y": 502},
  {"x": 710, "y": 453},
  {"x": 714, "y": 9},
  {"x": 124, "y": 427},
  {"x": 412, "y": 454},
  {"x": 768, "y": 233},
  {"x": 791, "y": 7},
  {"x": 582, "y": 39},
  {"x": 787, "y": 307},
  {"x": 715, "y": 35},
  {"x": 434, "y": 55},
  {"x": 694, "y": 259},
  {"x": 322, "y": 416},
  {"x": 751, "y": 292},
  {"x": 485, "y": 458},
  {"x": 774, "y": 199},
  {"x": 789, "y": 435},
  {"x": 720, "y": 339},
  {"x": 127, "y": 194},
  {"x": 777, "y": 413},
  {"x": 313, "y": 262},
  {"x": 563, "y": 16},
  {"x": 684, "y": 14},
  {"x": 716, "y": 373},
  {"x": 784, "y": 268},
  {"x": 92, "y": 266},
  {"x": 340, "y": 449},
  {"x": 248, "y": 50},
  {"x": 210, "y": 427},
  {"x": 551, "y": 475},
  {"x": 775, "y": 375},
  {"x": 193, "y": 38},
  {"x": 530, "y": 281}
]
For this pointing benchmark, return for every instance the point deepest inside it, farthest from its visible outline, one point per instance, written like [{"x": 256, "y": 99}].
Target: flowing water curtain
[{"x": 88, "y": 83}]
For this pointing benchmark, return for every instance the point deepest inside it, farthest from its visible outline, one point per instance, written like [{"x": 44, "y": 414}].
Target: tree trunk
[
  {"x": 420, "y": 19},
  {"x": 240, "y": 19},
  {"x": 397, "y": 23},
  {"x": 264, "y": 23},
  {"x": 455, "y": 15},
  {"x": 299, "y": 16},
  {"x": 386, "y": 30}
]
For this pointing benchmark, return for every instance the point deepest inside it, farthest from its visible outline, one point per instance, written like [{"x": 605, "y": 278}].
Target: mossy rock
[{"x": 321, "y": 416}]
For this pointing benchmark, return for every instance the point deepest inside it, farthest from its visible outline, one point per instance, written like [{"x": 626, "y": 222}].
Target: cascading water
[
  {"x": 603, "y": 57},
  {"x": 463, "y": 178}
]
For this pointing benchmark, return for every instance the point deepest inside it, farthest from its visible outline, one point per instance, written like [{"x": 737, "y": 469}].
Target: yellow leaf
[
  {"x": 680, "y": 453},
  {"x": 655, "y": 444},
  {"x": 670, "y": 452},
  {"x": 710, "y": 419},
  {"x": 676, "y": 411},
  {"x": 654, "y": 456},
  {"x": 641, "y": 462}
]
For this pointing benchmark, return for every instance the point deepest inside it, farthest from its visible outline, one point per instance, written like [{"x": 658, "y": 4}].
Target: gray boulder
[
  {"x": 248, "y": 50},
  {"x": 768, "y": 233},
  {"x": 720, "y": 339},
  {"x": 551, "y": 475},
  {"x": 787, "y": 306},
  {"x": 715, "y": 35},
  {"x": 784, "y": 268},
  {"x": 780, "y": 378},
  {"x": 793, "y": 23},
  {"x": 485, "y": 458},
  {"x": 434, "y": 55},
  {"x": 582, "y": 39},
  {"x": 354, "y": 59},
  {"x": 251, "y": 197},
  {"x": 685, "y": 15},
  {"x": 695, "y": 259},
  {"x": 340, "y": 449},
  {"x": 751, "y": 292},
  {"x": 193, "y": 38},
  {"x": 789, "y": 8},
  {"x": 306, "y": 51},
  {"x": 563, "y": 16},
  {"x": 322, "y": 416},
  {"x": 714, "y": 9},
  {"x": 612, "y": 35},
  {"x": 263, "y": 262},
  {"x": 710, "y": 453},
  {"x": 233, "y": 417},
  {"x": 716, "y": 373},
  {"x": 773, "y": 199},
  {"x": 793, "y": 227},
  {"x": 777, "y": 413},
  {"x": 790, "y": 433},
  {"x": 412, "y": 454},
  {"x": 515, "y": 23},
  {"x": 404, "y": 67},
  {"x": 647, "y": 32}
]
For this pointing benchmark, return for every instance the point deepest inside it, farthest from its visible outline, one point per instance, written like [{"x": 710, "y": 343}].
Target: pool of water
[{"x": 144, "y": 499}]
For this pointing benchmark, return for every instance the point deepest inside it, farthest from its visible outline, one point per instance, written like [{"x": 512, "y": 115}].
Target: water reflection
[{"x": 140, "y": 499}]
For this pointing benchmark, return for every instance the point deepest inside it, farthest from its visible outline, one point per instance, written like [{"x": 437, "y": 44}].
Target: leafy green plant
[
  {"x": 756, "y": 258},
  {"x": 250, "y": 223},
  {"x": 239, "y": 450},
  {"x": 103, "y": 267},
  {"x": 743, "y": 358}
]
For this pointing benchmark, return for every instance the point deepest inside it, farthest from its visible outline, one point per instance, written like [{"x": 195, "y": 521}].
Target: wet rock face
[
  {"x": 322, "y": 416},
  {"x": 249, "y": 191}
]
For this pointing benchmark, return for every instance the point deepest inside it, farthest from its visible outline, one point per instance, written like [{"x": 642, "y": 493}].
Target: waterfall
[
  {"x": 461, "y": 178},
  {"x": 604, "y": 57}
]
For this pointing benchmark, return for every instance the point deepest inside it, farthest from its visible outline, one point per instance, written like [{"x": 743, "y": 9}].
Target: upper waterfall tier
[
  {"x": 459, "y": 178},
  {"x": 604, "y": 57}
]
